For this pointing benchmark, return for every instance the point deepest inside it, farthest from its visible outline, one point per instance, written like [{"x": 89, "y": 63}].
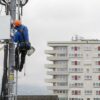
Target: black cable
[
  {"x": 2, "y": 3},
  {"x": 4, "y": 89},
  {"x": 23, "y": 3}
]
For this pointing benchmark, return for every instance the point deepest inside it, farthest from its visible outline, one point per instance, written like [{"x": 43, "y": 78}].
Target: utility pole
[{"x": 11, "y": 55}]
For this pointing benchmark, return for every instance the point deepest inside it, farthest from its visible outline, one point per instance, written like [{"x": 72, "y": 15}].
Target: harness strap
[
  {"x": 22, "y": 33},
  {"x": 24, "y": 42}
]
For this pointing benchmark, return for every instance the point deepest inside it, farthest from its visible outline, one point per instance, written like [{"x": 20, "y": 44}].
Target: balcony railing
[
  {"x": 55, "y": 80},
  {"x": 53, "y": 58},
  {"x": 50, "y": 51},
  {"x": 50, "y": 66},
  {"x": 57, "y": 87},
  {"x": 57, "y": 73}
]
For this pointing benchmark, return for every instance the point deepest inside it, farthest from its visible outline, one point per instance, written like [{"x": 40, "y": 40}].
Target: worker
[{"x": 23, "y": 45}]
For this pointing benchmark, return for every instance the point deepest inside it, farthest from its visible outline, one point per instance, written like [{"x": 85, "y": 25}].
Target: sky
[{"x": 54, "y": 20}]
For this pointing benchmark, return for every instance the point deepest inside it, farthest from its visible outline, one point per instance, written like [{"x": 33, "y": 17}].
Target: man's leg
[
  {"x": 17, "y": 58},
  {"x": 23, "y": 55}
]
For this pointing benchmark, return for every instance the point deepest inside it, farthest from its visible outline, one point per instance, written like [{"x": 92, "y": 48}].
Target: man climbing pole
[{"x": 23, "y": 45}]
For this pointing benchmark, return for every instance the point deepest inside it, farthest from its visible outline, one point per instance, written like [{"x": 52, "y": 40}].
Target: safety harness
[{"x": 24, "y": 43}]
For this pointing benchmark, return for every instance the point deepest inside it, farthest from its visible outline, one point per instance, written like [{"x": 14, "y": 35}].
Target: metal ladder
[{"x": 13, "y": 81}]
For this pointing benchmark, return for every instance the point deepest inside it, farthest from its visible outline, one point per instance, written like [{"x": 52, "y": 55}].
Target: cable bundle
[{"x": 22, "y": 2}]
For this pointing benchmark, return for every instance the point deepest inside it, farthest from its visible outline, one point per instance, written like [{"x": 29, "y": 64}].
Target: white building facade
[{"x": 74, "y": 69}]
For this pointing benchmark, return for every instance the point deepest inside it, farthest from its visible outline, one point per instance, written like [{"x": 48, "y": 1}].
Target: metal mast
[{"x": 11, "y": 55}]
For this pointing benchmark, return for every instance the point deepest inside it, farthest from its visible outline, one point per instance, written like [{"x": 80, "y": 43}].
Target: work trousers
[{"x": 20, "y": 51}]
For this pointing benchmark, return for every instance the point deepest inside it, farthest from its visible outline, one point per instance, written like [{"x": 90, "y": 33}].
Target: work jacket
[{"x": 21, "y": 35}]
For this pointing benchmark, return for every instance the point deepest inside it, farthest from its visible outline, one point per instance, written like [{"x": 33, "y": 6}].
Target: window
[
  {"x": 97, "y": 92},
  {"x": 75, "y": 54},
  {"x": 99, "y": 55},
  {"x": 62, "y": 77},
  {"x": 96, "y": 85},
  {"x": 88, "y": 77},
  {"x": 74, "y": 70},
  {"x": 88, "y": 92},
  {"x": 76, "y": 77},
  {"x": 61, "y": 62},
  {"x": 99, "y": 77},
  {"x": 61, "y": 69},
  {"x": 87, "y": 48},
  {"x": 61, "y": 55},
  {"x": 75, "y": 62},
  {"x": 61, "y": 91},
  {"x": 96, "y": 70},
  {"x": 62, "y": 84},
  {"x": 75, "y": 48},
  {"x": 98, "y": 62},
  {"x": 98, "y": 48},
  {"x": 76, "y": 85},
  {"x": 76, "y": 92}
]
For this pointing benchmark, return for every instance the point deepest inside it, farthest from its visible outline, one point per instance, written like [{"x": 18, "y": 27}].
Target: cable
[
  {"x": 2, "y": 3},
  {"x": 19, "y": 15},
  {"x": 23, "y": 2}
]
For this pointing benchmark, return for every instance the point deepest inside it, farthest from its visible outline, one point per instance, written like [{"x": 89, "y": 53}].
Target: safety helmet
[{"x": 17, "y": 23}]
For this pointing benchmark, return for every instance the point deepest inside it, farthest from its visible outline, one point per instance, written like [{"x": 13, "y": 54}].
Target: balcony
[
  {"x": 55, "y": 80},
  {"x": 50, "y": 52},
  {"x": 53, "y": 58},
  {"x": 57, "y": 72},
  {"x": 64, "y": 95},
  {"x": 51, "y": 66},
  {"x": 57, "y": 87}
]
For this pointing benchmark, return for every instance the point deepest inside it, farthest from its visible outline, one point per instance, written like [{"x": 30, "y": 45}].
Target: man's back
[{"x": 22, "y": 34}]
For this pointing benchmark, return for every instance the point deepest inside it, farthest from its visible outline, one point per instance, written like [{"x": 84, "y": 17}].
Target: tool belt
[{"x": 24, "y": 45}]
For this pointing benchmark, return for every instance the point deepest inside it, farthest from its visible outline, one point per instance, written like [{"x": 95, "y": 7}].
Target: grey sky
[{"x": 55, "y": 20}]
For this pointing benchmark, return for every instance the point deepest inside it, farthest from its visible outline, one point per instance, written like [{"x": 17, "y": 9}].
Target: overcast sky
[{"x": 55, "y": 20}]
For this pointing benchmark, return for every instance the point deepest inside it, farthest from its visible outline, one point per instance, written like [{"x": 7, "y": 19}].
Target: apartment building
[{"x": 74, "y": 69}]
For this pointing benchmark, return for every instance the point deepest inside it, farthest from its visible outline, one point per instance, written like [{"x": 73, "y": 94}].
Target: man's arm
[{"x": 15, "y": 37}]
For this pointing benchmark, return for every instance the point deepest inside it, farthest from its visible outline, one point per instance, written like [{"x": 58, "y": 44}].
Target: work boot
[{"x": 21, "y": 67}]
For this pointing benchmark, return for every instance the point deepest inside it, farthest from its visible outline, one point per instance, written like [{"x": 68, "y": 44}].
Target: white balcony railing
[
  {"x": 53, "y": 58},
  {"x": 55, "y": 80},
  {"x": 50, "y": 51},
  {"x": 57, "y": 87},
  {"x": 50, "y": 66},
  {"x": 55, "y": 52},
  {"x": 57, "y": 73}
]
